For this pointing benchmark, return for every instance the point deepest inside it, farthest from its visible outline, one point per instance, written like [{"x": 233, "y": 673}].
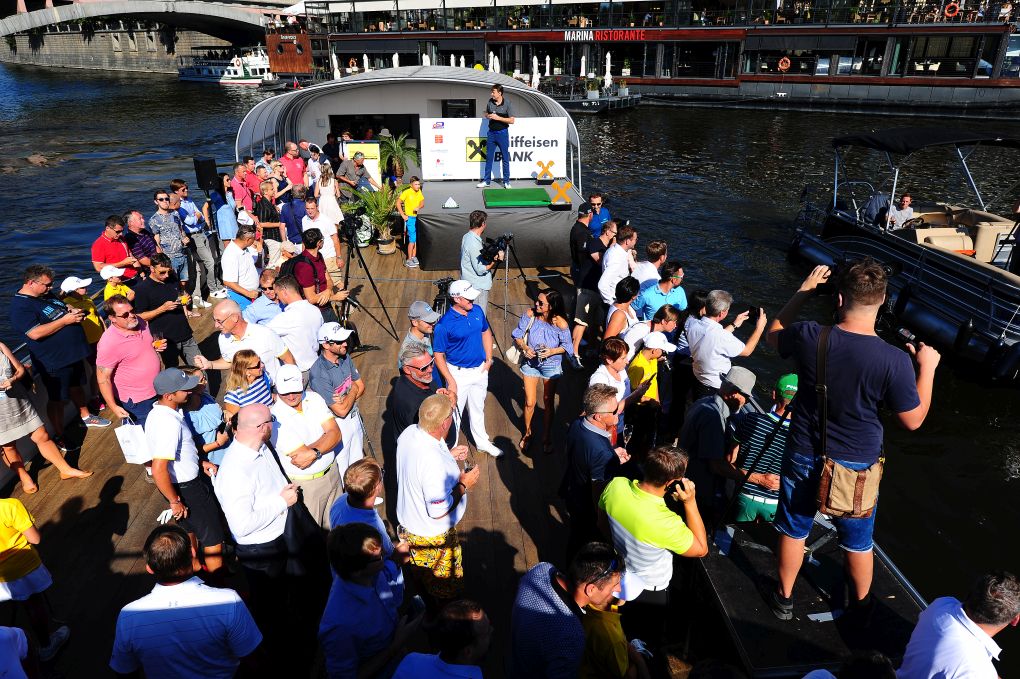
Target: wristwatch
[{"x": 318, "y": 453}]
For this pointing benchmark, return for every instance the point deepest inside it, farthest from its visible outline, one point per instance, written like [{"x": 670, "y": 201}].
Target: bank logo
[
  {"x": 474, "y": 149},
  {"x": 439, "y": 139},
  {"x": 438, "y": 125}
]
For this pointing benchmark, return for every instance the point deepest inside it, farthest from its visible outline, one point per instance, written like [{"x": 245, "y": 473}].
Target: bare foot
[
  {"x": 75, "y": 474},
  {"x": 28, "y": 485}
]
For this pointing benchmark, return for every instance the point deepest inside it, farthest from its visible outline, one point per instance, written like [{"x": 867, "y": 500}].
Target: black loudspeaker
[{"x": 206, "y": 175}]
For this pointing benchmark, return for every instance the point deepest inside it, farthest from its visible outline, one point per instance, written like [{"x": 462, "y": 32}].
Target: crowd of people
[{"x": 270, "y": 477}]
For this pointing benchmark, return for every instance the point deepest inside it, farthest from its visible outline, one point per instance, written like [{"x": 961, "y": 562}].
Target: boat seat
[
  {"x": 987, "y": 236},
  {"x": 972, "y": 218},
  {"x": 943, "y": 236},
  {"x": 955, "y": 241}
]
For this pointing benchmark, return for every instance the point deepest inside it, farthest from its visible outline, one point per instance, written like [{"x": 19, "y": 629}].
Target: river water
[{"x": 720, "y": 186}]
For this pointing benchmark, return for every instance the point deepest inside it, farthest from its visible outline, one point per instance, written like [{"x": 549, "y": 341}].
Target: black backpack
[{"x": 287, "y": 268}]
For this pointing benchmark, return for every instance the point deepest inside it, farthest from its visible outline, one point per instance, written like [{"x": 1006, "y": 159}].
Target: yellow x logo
[{"x": 561, "y": 192}]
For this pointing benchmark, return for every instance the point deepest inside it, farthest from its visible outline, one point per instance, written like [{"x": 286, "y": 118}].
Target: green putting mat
[{"x": 515, "y": 197}]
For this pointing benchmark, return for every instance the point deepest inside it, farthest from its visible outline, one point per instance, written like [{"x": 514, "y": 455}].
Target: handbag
[
  {"x": 842, "y": 492},
  {"x": 302, "y": 536},
  {"x": 131, "y": 437},
  {"x": 513, "y": 353}
]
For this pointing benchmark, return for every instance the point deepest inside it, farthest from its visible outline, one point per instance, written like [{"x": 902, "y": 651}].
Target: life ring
[
  {"x": 952, "y": 9},
  {"x": 236, "y": 61},
  {"x": 784, "y": 64},
  {"x": 353, "y": 63}
]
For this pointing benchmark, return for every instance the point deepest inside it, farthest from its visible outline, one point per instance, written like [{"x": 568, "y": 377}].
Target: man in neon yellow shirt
[
  {"x": 408, "y": 204},
  {"x": 647, "y": 533}
]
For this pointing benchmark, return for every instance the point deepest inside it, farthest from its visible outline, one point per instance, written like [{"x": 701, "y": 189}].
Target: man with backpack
[{"x": 309, "y": 268}]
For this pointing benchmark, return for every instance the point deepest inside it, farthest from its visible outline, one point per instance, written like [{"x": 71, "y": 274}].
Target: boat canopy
[{"x": 907, "y": 140}]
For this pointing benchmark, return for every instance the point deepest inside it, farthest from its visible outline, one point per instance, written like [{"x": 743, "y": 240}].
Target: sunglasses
[
  {"x": 125, "y": 315},
  {"x": 610, "y": 569},
  {"x": 164, "y": 199},
  {"x": 271, "y": 420},
  {"x": 426, "y": 367},
  {"x": 265, "y": 289},
  {"x": 596, "y": 204}
]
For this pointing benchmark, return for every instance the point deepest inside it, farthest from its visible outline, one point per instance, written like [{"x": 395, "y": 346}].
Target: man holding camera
[
  {"x": 472, "y": 269},
  {"x": 712, "y": 345},
  {"x": 861, "y": 370}
]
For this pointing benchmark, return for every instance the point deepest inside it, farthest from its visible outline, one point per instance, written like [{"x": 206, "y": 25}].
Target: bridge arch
[{"x": 207, "y": 17}]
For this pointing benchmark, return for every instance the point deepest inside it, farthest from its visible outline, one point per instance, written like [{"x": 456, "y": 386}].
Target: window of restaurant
[
  {"x": 465, "y": 15},
  {"x": 943, "y": 56},
  {"x": 988, "y": 53},
  {"x": 802, "y": 62},
  {"x": 1011, "y": 60},
  {"x": 869, "y": 57},
  {"x": 374, "y": 16},
  {"x": 699, "y": 60},
  {"x": 643, "y": 14}
]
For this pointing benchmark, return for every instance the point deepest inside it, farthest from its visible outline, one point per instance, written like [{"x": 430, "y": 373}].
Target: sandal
[{"x": 525, "y": 442}]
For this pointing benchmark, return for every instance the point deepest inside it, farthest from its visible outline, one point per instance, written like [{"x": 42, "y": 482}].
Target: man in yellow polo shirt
[
  {"x": 408, "y": 204},
  {"x": 645, "y": 368},
  {"x": 647, "y": 533}
]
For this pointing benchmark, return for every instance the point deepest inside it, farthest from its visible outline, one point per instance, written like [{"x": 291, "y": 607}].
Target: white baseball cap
[
  {"x": 464, "y": 289},
  {"x": 109, "y": 271},
  {"x": 656, "y": 340},
  {"x": 288, "y": 379},
  {"x": 333, "y": 332},
  {"x": 73, "y": 283}
]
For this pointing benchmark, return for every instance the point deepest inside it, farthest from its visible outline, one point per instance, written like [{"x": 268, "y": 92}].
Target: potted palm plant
[
  {"x": 622, "y": 89},
  {"x": 593, "y": 88},
  {"x": 395, "y": 154},
  {"x": 380, "y": 207}
]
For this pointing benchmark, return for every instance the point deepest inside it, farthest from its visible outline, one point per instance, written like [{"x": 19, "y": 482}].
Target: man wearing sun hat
[
  {"x": 704, "y": 435},
  {"x": 759, "y": 498},
  {"x": 462, "y": 346},
  {"x": 307, "y": 440},
  {"x": 335, "y": 378}
]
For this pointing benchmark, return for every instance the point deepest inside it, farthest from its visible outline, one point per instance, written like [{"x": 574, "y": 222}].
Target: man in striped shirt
[{"x": 759, "y": 497}]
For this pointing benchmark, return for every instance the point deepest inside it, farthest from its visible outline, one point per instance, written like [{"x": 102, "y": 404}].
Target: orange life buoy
[
  {"x": 784, "y": 64},
  {"x": 353, "y": 63},
  {"x": 952, "y": 9}
]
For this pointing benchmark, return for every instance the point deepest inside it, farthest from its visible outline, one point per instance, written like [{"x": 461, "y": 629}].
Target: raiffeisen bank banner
[{"x": 454, "y": 148}]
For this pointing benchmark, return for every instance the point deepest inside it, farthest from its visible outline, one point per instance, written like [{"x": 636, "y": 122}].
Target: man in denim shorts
[{"x": 861, "y": 371}]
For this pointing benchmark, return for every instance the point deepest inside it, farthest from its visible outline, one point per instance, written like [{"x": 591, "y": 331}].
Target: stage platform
[{"x": 541, "y": 233}]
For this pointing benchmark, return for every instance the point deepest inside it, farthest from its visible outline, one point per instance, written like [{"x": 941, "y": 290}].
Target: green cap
[{"x": 786, "y": 387}]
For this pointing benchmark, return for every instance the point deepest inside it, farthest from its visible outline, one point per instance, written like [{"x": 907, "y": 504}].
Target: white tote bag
[{"x": 132, "y": 441}]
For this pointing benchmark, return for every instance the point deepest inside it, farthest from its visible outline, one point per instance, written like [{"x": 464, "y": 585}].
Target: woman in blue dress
[{"x": 222, "y": 202}]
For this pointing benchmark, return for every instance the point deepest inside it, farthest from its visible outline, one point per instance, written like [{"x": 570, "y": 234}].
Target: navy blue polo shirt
[
  {"x": 64, "y": 347},
  {"x": 459, "y": 337}
]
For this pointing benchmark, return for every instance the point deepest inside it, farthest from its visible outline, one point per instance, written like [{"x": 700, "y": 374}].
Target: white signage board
[{"x": 455, "y": 148}]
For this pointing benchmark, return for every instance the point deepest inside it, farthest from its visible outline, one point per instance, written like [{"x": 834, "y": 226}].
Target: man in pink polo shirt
[
  {"x": 127, "y": 362},
  {"x": 110, "y": 248},
  {"x": 238, "y": 186},
  {"x": 253, "y": 179},
  {"x": 293, "y": 164}
]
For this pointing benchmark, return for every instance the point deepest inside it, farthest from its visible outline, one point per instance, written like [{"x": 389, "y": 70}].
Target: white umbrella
[
  {"x": 425, "y": 61},
  {"x": 396, "y": 60},
  {"x": 608, "y": 77},
  {"x": 491, "y": 58},
  {"x": 534, "y": 80},
  {"x": 547, "y": 66},
  {"x": 534, "y": 64},
  {"x": 584, "y": 71},
  {"x": 453, "y": 61},
  {"x": 364, "y": 60},
  {"x": 336, "y": 67},
  {"x": 495, "y": 65},
  {"x": 462, "y": 61}
]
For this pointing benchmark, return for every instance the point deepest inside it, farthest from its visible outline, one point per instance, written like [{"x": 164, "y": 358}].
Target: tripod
[
  {"x": 506, "y": 277},
  {"x": 344, "y": 312}
]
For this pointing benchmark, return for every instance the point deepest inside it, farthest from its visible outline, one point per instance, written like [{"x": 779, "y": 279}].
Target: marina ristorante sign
[{"x": 590, "y": 35}]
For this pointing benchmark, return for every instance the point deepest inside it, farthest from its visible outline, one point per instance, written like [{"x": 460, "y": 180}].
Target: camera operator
[
  {"x": 472, "y": 268},
  {"x": 861, "y": 371}
]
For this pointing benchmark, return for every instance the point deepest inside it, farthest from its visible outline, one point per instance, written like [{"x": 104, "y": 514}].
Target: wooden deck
[{"x": 93, "y": 530}]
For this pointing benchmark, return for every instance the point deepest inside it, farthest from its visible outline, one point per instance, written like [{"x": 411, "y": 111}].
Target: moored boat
[{"x": 249, "y": 68}]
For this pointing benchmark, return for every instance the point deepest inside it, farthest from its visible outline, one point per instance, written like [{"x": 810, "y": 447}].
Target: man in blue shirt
[
  {"x": 292, "y": 214},
  {"x": 653, "y": 296},
  {"x": 472, "y": 268},
  {"x": 461, "y": 635},
  {"x": 265, "y": 307},
  {"x": 599, "y": 214},
  {"x": 360, "y": 632},
  {"x": 199, "y": 252},
  {"x": 462, "y": 346}
]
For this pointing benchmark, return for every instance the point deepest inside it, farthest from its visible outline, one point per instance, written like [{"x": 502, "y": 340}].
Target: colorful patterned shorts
[{"x": 439, "y": 563}]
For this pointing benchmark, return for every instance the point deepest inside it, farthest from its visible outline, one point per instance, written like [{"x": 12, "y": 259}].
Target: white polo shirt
[
  {"x": 184, "y": 630},
  {"x": 615, "y": 267},
  {"x": 426, "y": 476},
  {"x": 239, "y": 267},
  {"x": 645, "y": 272},
  {"x": 295, "y": 428},
  {"x": 170, "y": 439},
  {"x": 711, "y": 350},
  {"x": 260, "y": 339},
  {"x": 946, "y": 643},
  {"x": 248, "y": 485},
  {"x": 298, "y": 327},
  {"x": 327, "y": 227}
]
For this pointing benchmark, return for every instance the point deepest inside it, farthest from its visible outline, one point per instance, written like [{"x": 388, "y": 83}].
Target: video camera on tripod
[
  {"x": 492, "y": 247},
  {"x": 443, "y": 300}
]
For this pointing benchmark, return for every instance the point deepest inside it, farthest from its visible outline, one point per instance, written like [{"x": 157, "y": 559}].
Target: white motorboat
[{"x": 250, "y": 68}]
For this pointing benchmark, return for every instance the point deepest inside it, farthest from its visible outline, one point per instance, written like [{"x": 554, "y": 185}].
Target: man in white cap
[
  {"x": 335, "y": 378},
  {"x": 645, "y": 369},
  {"x": 180, "y": 473},
  {"x": 423, "y": 321},
  {"x": 307, "y": 439},
  {"x": 298, "y": 325},
  {"x": 462, "y": 345},
  {"x": 704, "y": 437},
  {"x": 237, "y": 333}
]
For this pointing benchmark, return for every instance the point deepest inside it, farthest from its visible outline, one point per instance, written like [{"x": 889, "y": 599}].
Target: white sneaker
[
  {"x": 490, "y": 448},
  {"x": 202, "y": 304},
  {"x": 506, "y": 185},
  {"x": 482, "y": 185},
  {"x": 219, "y": 294},
  {"x": 58, "y": 638},
  {"x": 379, "y": 500}
]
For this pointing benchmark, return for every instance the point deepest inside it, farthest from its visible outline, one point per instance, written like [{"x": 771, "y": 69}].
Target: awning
[
  {"x": 910, "y": 139},
  {"x": 789, "y": 43}
]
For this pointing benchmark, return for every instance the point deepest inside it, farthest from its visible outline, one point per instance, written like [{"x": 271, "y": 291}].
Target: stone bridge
[{"x": 208, "y": 17}]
